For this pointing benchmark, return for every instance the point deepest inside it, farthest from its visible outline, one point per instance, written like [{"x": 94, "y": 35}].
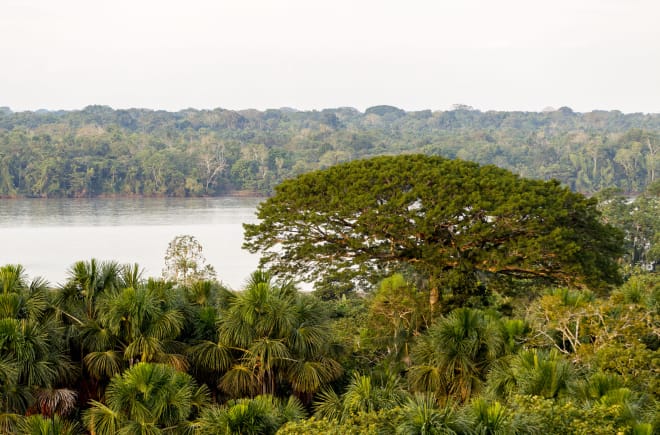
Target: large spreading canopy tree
[{"x": 453, "y": 222}]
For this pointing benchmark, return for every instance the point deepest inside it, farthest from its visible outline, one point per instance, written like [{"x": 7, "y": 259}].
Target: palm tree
[
  {"x": 33, "y": 354},
  {"x": 87, "y": 281},
  {"x": 20, "y": 299},
  {"x": 493, "y": 419},
  {"x": 533, "y": 372},
  {"x": 32, "y": 349},
  {"x": 452, "y": 359},
  {"x": 40, "y": 425},
  {"x": 275, "y": 335},
  {"x": 363, "y": 394},
  {"x": 113, "y": 325},
  {"x": 608, "y": 390},
  {"x": 145, "y": 323},
  {"x": 262, "y": 415},
  {"x": 97, "y": 349},
  {"x": 421, "y": 415},
  {"x": 148, "y": 396},
  {"x": 598, "y": 385},
  {"x": 56, "y": 401}
]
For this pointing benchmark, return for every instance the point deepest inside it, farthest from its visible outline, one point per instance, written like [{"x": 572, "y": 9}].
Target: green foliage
[
  {"x": 453, "y": 358},
  {"x": 397, "y": 313},
  {"x": 494, "y": 419},
  {"x": 152, "y": 396},
  {"x": 100, "y": 151},
  {"x": 184, "y": 262},
  {"x": 40, "y": 425},
  {"x": 362, "y": 423},
  {"x": 421, "y": 415},
  {"x": 638, "y": 218},
  {"x": 273, "y": 333},
  {"x": 33, "y": 352},
  {"x": 532, "y": 372},
  {"x": 143, "y": 321},
  {"x": 452, "y": 223},
  {"x": 568, "y": 417},
  {"x": 364, "y": 395},
  {"x": 73, "y": 359},
  {"x": 565, "y": 319},
  {"x": 262, "y": 415}
]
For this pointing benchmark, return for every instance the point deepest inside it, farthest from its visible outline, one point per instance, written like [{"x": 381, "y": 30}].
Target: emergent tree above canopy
[{"x": 453, "y": 222}]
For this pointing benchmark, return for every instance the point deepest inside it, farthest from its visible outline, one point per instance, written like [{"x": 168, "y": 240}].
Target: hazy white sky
[{"x": 307, "y": 54}]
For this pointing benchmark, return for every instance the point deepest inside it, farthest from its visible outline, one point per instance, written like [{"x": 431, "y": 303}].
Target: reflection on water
[{"x": 48, "y": 235}]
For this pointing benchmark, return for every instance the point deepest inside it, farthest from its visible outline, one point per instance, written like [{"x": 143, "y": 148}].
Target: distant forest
[{"x": 99, "y": 151}]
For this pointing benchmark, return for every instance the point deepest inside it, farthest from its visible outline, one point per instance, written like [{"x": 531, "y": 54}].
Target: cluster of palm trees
[
  {"x": 112, "y": 352},
  {"x": 148, "y": 356},
  {"x": 471, "y": 374}
]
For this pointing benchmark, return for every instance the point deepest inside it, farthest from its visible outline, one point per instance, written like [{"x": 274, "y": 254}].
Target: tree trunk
[{"x": 434, "y": 297}]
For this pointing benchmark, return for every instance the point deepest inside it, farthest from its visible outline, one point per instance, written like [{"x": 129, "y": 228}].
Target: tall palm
[
  {"x": 452, "y": 359},
  {"x": 609, "y": 389},
  {"x": 21, "y": 299},
  {"x": 86, "y": 282},
  {"x": 77, "y": 303},
  {"x": 155, "y": 396},
  {"x": 145, "y": 323},
  {"x": 34, "y": 353},
  {"x": 256, "y": 323},
  {"x": 366, "y": 394},
  {"x": 32, "y": 349},
  {"x": 275, "y": 335}
]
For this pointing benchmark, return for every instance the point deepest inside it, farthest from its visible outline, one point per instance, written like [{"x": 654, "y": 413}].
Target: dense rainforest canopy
[
  {"x": 110, "y": 351},
  {"x": 101, "y": 151}
]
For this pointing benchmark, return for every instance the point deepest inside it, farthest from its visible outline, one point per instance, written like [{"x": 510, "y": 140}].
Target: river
[{"x": 47, "y": 236}]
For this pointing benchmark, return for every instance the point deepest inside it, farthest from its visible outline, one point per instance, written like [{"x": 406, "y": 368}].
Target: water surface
[{"x": 47, "y": 236}]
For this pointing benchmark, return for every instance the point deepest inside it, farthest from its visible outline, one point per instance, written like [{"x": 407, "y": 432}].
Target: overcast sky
[{"x": 307, "y": 54}]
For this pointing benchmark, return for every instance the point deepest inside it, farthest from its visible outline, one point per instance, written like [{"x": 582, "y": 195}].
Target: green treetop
[{"x": 451, "y": 222}]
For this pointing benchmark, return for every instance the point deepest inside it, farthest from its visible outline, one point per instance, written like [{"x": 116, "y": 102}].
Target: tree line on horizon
[{"x": 99, "y": 151}]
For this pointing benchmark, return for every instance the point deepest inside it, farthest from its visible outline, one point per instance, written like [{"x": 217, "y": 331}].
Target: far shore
[{"x": 229, "y": 194}]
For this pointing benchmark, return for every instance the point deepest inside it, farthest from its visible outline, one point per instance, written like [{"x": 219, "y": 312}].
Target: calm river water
[{"x": 47, "y": 236}]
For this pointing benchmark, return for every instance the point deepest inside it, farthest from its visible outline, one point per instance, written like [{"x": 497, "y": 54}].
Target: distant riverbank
[{"x": 229, "y": 194}]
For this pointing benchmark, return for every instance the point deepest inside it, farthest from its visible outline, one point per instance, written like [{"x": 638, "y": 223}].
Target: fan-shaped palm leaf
[
  {"x": 40, "y": 425},
  {"x": 101, "y": 419},
  {"x": 60, "y": 401},
  {"x": 239, "y": 381},
  {"x": 103, "y": 364},
  {"x": 244, "y": 416},
  {"x": 145, "y": 396},
  {"x": 462, "y": 346},
  {"x": 421, "y": 415},
  {"x": 130, "y": 275},
  {"x": 491, "y": 418},
  {"x": 543, "y": 374},
  {"x": 12, "y": 278},
  {"x": 328, "y": 405},
  {"x": 291, "y": 410},
  {"x": 214, "y": 357}
]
